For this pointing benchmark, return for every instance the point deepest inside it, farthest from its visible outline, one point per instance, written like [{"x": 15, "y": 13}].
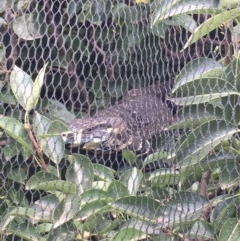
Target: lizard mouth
[
  {"x": 87, "y": 140},
  {"x": 94, "y": 133}
]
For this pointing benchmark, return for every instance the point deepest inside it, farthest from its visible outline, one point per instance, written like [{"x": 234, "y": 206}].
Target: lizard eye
[{"x": 89, "y": 129}]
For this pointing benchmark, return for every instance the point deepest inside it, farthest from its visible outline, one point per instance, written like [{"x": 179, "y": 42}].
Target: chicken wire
[{"x": 119, "y": 120}]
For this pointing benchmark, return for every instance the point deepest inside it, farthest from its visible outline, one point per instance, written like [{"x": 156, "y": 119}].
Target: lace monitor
[{"x": 141, "y": 114}]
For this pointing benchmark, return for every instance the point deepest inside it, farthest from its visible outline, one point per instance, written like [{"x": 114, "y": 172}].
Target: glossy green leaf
[
  {"x": 48, "y": 202},
  {"x": 97, "y": 206},
  {"x": 7, "y": 97},
  {"x": 141, "y": 225},
  {"x": 229, "y": 175},
  {"x": 53, "y": 147},
  {"x": 117, "y": 190},
  {"x": 26, "y": 231},
  {"x": 103, "y": 185},
  {"x": 164, "y": 177},
  {"x": 185, "y": 21},
  {"x": 230, "y": 230},
  {"x": 166, "y": 9},
  {"x": 58, "y": 111},
  {"x": 142, "y": 208},
  {"x": 93, "y": 195},
  {"x": 194, "y": 115},
  {"x": 157, "y": 156},
  {"x": 65, "y": 232},
  {"x": 131, "y": 158},
  {"x": 17, "y": 197},
  {"x": 223, "y": 211},
  {"x": 202, "y": 230},
  {"x": 66, "y": 209},
  {"x": 40, "y": 125},
  {"x": 132, "y": 180},
  {"x": 15, "y": 129},
  {"x": 37, "y": 86},
  {"x": 103, "y": 173},
  {"x": 211, "y": 24},
  {"x": 194, "y": 172},
  {"x": 202, "y": 140},
  {"x": 182, "y": 208},
  {"x": 29, "y": 26},
  {"x": 80, "y": 171},
  {"x": 21, "y": 85},
  {"x": 203, "y": 90},
  {"x": 49, "y": 182},
  {"x": 56, "y": 128},
  {"x": 129, "y": 234},
  {"x": 101, "y": 224},
  {"x": 195, "y": 69},
  {"x": 11, "y": 150},
  {"x": 44, "y": 227},
  {"x": 17, "y": 175},
  {"x": 231, "y": 73}
]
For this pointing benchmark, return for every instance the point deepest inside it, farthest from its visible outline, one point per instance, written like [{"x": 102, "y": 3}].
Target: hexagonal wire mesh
[{"x": 119, "y": 120}]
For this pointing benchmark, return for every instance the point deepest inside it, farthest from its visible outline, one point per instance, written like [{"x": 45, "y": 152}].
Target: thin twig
[{"x": 32, "y": 138}]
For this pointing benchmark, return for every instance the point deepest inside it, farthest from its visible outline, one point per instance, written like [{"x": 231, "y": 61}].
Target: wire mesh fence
[{"x": 119, "y": 120}]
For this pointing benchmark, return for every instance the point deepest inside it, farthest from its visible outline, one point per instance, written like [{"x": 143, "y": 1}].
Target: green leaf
[
  {"x": 67, "y": 231},
  {"x": 17, "y": 175},
  {"x": 229, "y": 175},
  {"x": 37, "y": 86},
  {"x": 183, "y": 207},
  {"x": 11, "y": 150},
  {"x": 117, "y": 190},
  {"x": 21, "y": 85},
  {"x": 194, "y": 172},
  {"x": 195, "y": 70},
  {"x": 48, "y": 202},
  {"x": 29, "y": 26},
  {"x": 80, "y": 171},
  {"x": 53, "y": 147},
  {"x": 202, "y": 140},
  {"x": 15, "y": 129},
  {"x": 164, "y": 177},
  {"x": 103, "y": 173},
  {"x": 211, "y": 24},
  {"x": 194, "y": 115},
  {"x": 129, "y": 234},
  {"x": 26, "y": 231},
  {"x": 166, "y": 9},
  {"x": 7, "y": 97},
  {"x": 49, "y": 182},
  {"x": 231, "y": 73},
  {"x": 202, "y": 230},
  {"x": 203, "y": 90},
  {"x": 103, "y": 185},
  {"x": 100, "y": 224},
  {"x": 95, "y": 207},
  {"x": 131, "y": 158},
  {"x": 230, "y": 230},
  {"x": 40, "y": 125},
  {"x": 18, "y": 197},
  {"x": 157, "y": 156},
  {"x": 59, "y": 111},
  {"x": 142, "y": 208},
  {"x": 140, "y": 225},
  {"x": 93, "y": 195},
  {"x": 132, "y": 180},
  {"x": 66, "y": 210},
  {"x": 223, "y": 210},
  {"x": 185, "y": 21}
]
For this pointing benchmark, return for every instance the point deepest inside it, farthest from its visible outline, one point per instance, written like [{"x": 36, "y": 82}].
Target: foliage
[{"x": 51, "y": 194}]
